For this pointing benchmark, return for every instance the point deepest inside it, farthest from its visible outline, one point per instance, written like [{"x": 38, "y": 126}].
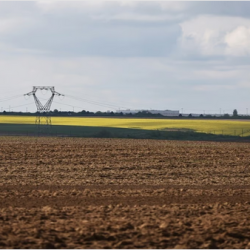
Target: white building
[{"x": 152, "y": 111}]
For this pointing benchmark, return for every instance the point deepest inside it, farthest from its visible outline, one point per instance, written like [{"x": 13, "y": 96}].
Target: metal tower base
[{"x": 43, "y": 119}]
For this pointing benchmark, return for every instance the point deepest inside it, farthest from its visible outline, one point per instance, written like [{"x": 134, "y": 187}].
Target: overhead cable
[
  {"x": 9, "y": 98},
  {"x": 94, "y": 102}
]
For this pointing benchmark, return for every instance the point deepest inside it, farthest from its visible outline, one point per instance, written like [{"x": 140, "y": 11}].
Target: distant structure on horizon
[{"x": 152, "y": 111}]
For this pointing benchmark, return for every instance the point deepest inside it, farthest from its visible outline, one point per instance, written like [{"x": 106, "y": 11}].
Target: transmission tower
[{"x": 43, "y": 119}]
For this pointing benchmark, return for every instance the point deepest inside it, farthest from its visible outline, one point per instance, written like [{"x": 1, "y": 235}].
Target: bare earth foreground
[{"x": 113, "y": 193}]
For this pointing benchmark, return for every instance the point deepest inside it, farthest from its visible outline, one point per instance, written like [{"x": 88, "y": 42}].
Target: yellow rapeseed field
[{"x": 229, "y": 127}]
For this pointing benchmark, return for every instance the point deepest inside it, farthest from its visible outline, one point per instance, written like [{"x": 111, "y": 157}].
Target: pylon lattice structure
[{"x": 43, "y": 118}]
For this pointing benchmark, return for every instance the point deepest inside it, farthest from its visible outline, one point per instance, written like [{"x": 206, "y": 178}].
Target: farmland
[
  {"x": 225, "y": 127},
  {"x": 123, "y": 193}
]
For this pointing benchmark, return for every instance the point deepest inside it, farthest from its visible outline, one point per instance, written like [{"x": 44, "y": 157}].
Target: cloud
[
  {"x": 238, "y": 41},
  {"x": 121, "y": 28},
  {"x": 244, "y": 84},
  {"x": 218, "y": 8},
  {"x": 66, "y": 29},
  {"x": 211, "y": 88},
  {"x": 8, "y": 25},
  {"x": 114, "y": 11},
  {"x": 57, "y": 6},
  {"x": 215, "y": 36},
  {"x": 139, "y": 54}
]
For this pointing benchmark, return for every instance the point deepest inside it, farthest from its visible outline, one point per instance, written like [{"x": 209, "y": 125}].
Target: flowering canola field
[{"x": 227, "y": 127}]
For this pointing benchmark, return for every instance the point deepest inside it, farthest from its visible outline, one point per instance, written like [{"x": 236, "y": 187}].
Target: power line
[
  {"x": 68, "y": 105},
  {"x": 99, "y": 101},
  {"x": 95, "y": 102},
  {"x": 11, "y": 91},
  {"x": 9, "y": 98},
  {"x": 102, "y": 104},
  {"x": 72, "y": 106},
  {"x": 22, "y": 105}
]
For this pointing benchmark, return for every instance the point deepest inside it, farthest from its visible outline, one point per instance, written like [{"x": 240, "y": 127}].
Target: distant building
[
  {"x": 198, "y": 115},
  {"x": 152, "y": 111},
  {"x": 191, "y": 114}
]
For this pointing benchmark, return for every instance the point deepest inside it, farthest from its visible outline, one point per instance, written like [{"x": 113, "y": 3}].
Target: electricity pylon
[{"x": 43, "y": 119}]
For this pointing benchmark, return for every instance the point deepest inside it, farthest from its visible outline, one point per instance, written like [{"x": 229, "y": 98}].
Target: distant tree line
[
  {"x": 144, "y": 114},
  {"x": 56, "y": 112}
]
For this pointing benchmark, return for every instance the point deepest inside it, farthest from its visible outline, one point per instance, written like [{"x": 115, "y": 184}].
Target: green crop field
[{"x": 225, "y": 127}]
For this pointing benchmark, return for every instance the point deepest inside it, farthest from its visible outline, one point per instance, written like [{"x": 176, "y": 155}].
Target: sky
[{"x": 191, "y": 56}]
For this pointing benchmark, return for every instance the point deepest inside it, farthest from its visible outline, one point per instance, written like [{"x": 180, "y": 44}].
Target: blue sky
[{"x": 190, "y": 56}]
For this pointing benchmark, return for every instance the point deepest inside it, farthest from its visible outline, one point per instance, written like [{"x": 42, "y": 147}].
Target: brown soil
[{"x": 111, "y": 193}]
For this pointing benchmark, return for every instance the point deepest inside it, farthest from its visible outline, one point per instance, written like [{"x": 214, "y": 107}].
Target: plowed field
[{"x": 112, "y": 193}]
